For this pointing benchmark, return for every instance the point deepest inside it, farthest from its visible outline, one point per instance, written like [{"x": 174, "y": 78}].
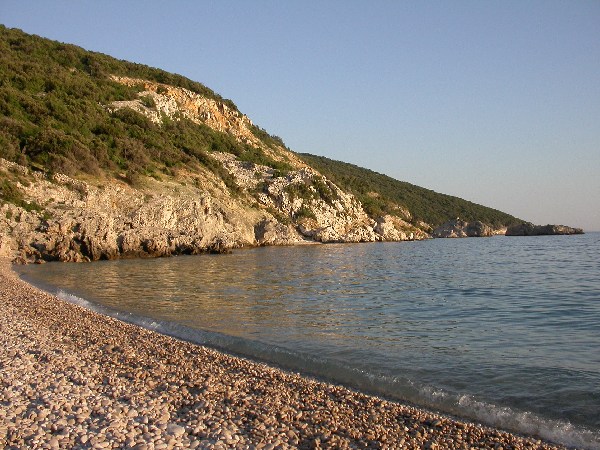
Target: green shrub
[
  {"x": 9, "y": 193},
  {"x": 281, "y": 218},
  {"x": 300, "y": 190},
  {"x": 52, "y": 115},
  {"x": 305, "y": 213},
  {"x": 148, "y": 101},
  {"x": 9, "y": 147}
]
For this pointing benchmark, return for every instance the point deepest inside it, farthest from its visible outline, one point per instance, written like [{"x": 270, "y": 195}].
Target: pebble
[
  {"x": 141, "y": 446},
  {"x": 175, "y": 430}
]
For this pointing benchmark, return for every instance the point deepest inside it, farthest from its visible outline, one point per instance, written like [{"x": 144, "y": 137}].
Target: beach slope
[{"x": 72, "y": 378}]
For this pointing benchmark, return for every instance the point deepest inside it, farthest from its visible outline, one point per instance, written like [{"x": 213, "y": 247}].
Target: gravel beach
[{"x": 72, "y": 378}]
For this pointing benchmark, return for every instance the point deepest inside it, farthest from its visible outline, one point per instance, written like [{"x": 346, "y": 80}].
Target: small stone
[
  {"x": 140, "y": 446},
  {"x": 175, "y": 430}
]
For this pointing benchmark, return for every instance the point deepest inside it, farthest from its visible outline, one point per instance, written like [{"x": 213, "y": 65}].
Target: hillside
[
  {"x": 381, "y": 194},
  {"x": 102, "y": 158}
]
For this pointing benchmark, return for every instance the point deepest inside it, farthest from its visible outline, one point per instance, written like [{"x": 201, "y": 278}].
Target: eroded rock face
[
  {"x": 190, "y": 212},
  {"x": 319, "y": 209},
  {"x": 392, "y": 228},
  {"x": 79, "y": 221},
  {"x": 173, "y": 101},
  {"x": 528, "y": 229},
  {"x": 82, "y": 222},
  {"x": 461, "y": 228}
]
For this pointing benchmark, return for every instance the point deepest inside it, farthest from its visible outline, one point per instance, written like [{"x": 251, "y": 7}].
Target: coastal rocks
[
  {"x": 392, "y": 228},
  {"x": 461, "y": 228},
  {"x": 190, "y": 210},
  {"x": 329, "y": 234},
  {"x": 76, "y": 221},
  {"x": 83, "y": 222},
  {"x": 5, "y": 246},
  {"x": 479, "y": 229},
  {"x": 271, "y": 232},
  {"x": 319, "y": 209},
  {"x": 528, "y": 229}
]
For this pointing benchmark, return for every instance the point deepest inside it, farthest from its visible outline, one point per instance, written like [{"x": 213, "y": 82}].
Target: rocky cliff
[
  {"x": 64, "y": 219},
  {"x": 529, "y": 229},
  {"x": 159, "y": 101},
  {"x": 460, "y": 228},
  {"x": 54, "y": 217}
]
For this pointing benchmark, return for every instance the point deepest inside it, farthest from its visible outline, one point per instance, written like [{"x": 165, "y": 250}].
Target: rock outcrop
[
  {"x": 58, "y": 218},
  {"x": 176, "y": 102},
  {"x": 74, "y": 220},
  {"x": 393, "y": 228},
  {"x": 159, "y": 100},
  {"x": 528, "y": 229},
  {"x": 460, "y": 228},
  {"x": 81, "y": 222}
]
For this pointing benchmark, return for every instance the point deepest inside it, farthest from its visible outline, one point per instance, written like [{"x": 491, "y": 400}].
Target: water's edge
[
  {"x": 501, "y": 331},
  {"x": 425, "y": 397}
]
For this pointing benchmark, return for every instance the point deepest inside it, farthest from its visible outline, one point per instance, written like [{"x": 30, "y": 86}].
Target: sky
[{"x": 496, "y": 102}]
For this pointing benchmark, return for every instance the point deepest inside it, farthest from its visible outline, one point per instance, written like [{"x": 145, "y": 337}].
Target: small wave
[
  {"x": 507, "y": 418},
  {"x": 163, "y": 327},
  {"x": 63, "y": 295},
  {"x": 532, "y": 424}
]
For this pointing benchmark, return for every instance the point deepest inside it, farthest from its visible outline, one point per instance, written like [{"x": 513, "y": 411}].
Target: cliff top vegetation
[{"x": 381, "y": 194}]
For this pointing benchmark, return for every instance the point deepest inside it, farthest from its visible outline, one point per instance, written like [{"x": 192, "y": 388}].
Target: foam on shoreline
[{"x": 75, "y": 378}]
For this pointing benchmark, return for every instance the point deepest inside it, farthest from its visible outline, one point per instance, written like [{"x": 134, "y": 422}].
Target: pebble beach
[{"x": 72, "y": 378}]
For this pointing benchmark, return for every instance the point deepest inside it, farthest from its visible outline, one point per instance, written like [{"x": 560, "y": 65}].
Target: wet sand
[{"x": 72, "y": 378}]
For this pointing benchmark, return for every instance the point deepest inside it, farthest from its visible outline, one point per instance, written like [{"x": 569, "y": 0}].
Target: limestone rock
[
  {"x": 392, "y": 228},
  {"x": 460, "y": 228},
  {"x": 478, "y": 229},
  {"x": 175, "y": 102},
  {"x": 5, "y": 246},
  {"x": 528, "y": 229},
  {"x": 82, "y": 222}
]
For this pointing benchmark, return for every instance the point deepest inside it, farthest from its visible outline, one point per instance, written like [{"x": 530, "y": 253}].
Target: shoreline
[{"x": 73, "y": 378}]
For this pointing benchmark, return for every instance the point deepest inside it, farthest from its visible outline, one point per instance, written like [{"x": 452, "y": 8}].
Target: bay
[{"x": 502, "y": 330}]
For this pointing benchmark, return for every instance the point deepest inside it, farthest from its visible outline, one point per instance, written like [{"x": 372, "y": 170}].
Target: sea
[{"x": 504, "y": 331}]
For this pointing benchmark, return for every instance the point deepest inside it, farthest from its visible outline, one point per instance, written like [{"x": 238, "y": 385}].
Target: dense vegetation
[
  {"x": 53, "y": 115},
  {"x": 381, "y": 194}
]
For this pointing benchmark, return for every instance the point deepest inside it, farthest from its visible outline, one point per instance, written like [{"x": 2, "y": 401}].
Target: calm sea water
[{"x": 502, "y": 330}]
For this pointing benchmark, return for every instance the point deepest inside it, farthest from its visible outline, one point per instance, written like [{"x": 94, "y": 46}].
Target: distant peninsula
[{"x": 104, "y": 159}]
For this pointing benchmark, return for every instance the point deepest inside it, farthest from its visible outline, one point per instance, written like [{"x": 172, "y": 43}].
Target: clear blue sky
[{"x": 495, "y": 102}]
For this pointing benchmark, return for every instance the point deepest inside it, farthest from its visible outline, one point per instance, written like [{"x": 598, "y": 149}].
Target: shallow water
[{"x": 503, "y": 330}]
